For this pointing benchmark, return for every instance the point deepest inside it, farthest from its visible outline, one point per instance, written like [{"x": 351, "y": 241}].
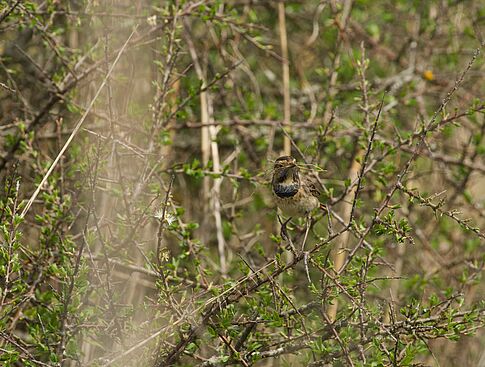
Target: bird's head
[
  {"x": 284, "y": 162},
  {"x": 285, "y": 170}
]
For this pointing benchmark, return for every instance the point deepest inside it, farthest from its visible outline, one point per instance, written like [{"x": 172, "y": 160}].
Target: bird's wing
[{"x": 312, "y": 187}]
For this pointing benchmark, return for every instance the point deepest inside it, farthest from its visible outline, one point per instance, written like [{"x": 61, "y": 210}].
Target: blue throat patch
[{"x": 286, "y": 190}]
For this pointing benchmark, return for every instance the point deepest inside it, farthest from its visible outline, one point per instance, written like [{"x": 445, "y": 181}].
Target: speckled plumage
[{"x": 294, "y": 194}]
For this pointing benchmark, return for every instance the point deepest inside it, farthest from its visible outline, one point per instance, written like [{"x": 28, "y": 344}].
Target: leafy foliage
[{"x": 154, "y": 240}]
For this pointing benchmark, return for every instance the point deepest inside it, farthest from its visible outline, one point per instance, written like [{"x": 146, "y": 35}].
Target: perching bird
[{"x": 295, "y": 194}]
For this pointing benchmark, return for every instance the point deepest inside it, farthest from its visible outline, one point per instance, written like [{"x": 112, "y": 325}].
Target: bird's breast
[{"x": 298, "y": 204}]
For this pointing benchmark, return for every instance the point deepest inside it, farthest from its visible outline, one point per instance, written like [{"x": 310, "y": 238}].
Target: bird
[{"x": 295, "y": 194}]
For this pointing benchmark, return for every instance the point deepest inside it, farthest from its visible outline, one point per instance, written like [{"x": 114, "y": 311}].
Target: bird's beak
[{"x": 289, "y": 168}]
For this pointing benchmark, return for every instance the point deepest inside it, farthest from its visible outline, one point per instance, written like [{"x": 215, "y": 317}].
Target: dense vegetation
[{"x": 137, "y": 145}]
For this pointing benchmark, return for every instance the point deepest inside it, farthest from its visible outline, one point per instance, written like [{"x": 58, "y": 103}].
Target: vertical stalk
[
  {"x": 340, "y": 255},
  {"x": 209, "y": 146},
  {"x": 286, "y": 75},
  {"x": 216, "y": 190}
]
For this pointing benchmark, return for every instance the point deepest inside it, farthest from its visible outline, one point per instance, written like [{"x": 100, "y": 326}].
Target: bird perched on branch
[{"x": 295, "y": 194}]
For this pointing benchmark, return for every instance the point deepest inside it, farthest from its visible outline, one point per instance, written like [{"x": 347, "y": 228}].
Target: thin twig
[{"x": 76, "y": 129}]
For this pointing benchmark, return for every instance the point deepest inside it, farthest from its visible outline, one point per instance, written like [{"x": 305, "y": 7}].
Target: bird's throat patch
[{"x": 286, "y": 190}]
